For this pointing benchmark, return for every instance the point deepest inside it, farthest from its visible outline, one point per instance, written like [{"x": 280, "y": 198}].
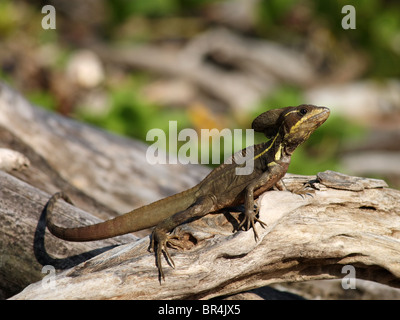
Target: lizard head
[{"x": 293, "y": 124}]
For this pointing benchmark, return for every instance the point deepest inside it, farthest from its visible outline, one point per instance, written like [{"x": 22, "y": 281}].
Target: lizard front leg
[
  {"x": 160, "y": 237},
  {"x": 250, "y": 214}
]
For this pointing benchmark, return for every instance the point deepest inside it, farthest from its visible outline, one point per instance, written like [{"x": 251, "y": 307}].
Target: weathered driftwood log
[
  {"x": 107, "y": 167},
  {"x": 103, "y": 173},
  {"x": 348, "y": 221},
  {"x": 22, "y": 244}
]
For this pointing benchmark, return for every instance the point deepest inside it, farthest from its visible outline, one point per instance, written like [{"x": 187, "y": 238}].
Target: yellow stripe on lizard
[{"x": 266, "y": 149}]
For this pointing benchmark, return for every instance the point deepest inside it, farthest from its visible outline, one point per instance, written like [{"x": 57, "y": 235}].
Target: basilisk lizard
[{"x": 287, "y": 128}]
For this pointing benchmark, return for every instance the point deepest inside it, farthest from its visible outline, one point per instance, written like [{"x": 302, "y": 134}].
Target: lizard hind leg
[
  {"x": 160, "y": 239},
  {"x": 159, "y": 243}
]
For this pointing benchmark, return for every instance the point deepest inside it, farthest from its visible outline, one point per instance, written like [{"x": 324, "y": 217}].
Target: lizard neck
[
  {"x": 273, "y": 152},
  {"x": 281, "y": 153}
]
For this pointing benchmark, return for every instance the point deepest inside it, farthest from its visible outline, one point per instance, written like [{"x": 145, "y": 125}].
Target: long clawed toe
[
  {"x": 303, "y": 193},
  {"x": 159, "y": 245}
]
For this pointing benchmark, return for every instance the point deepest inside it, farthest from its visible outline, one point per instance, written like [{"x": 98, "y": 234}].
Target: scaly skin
[{"x": 223, "y": 187}]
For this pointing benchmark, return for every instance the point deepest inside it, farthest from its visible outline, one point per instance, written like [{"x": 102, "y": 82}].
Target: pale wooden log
[
  {"x": 62, "y": 154},
  {"x": 23, "y": 251},
  {"x": 27, "y": 165},
  {"x": 348, "y": 221},
  {"x": 112, "y": 169}
]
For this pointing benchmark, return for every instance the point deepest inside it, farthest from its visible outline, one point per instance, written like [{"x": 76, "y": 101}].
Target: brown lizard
[{"x": 287, "y": 128}]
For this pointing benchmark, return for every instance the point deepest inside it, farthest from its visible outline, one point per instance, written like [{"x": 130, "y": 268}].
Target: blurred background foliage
[{"x": 126, "y": 99}]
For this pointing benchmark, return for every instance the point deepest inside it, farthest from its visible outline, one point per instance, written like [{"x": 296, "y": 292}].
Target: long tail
[{"x": 137, "y": 219}]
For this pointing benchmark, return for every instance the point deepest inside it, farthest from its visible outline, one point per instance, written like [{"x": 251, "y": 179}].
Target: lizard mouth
[{"x": 321, "y": 116}]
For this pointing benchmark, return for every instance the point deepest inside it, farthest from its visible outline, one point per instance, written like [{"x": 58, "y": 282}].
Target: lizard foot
[
  {"x": 304, "y": 191},
  {"x": 250, "y": 219},
  {"x": 159, "y": 241}
]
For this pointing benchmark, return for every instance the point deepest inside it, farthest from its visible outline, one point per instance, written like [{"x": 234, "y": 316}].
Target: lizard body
[{"x": 223, "y": 187}]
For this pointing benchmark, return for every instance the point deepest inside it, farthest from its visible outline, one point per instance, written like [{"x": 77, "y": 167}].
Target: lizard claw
[
  {"x": 250, "y": 220},
  {"x": 159, "y": 242},
  {"x": 304, "y": 191}
]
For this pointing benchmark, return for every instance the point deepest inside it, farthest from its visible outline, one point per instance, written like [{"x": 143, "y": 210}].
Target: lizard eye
[{"x": 303, "y": 111}]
